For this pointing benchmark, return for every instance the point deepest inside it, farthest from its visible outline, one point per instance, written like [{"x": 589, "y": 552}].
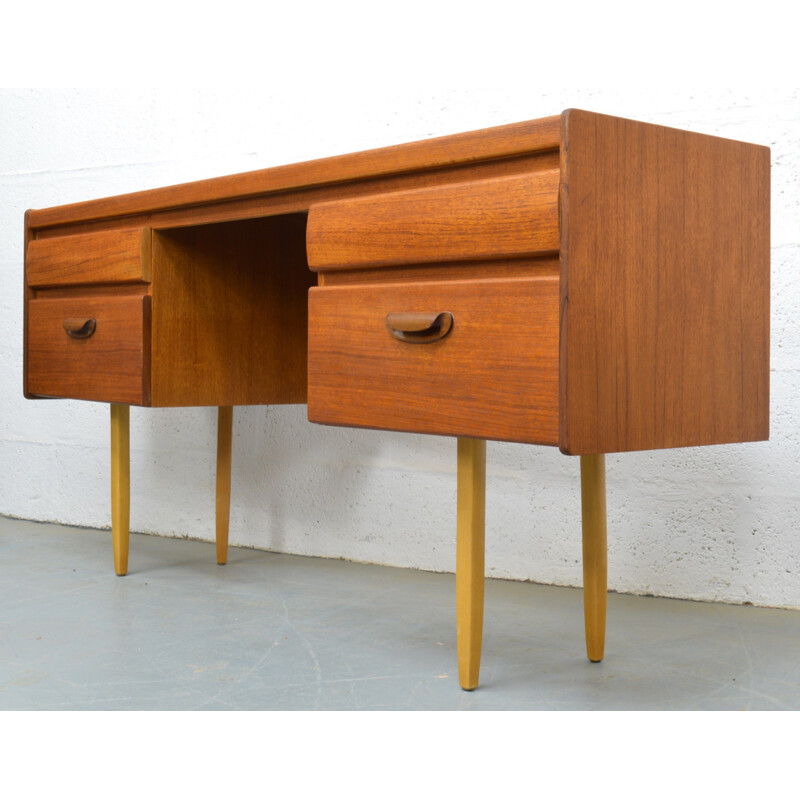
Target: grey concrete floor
[{"x": 270, "y": 631}]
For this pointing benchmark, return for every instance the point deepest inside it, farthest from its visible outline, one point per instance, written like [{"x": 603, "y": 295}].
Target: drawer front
[
  {"x": 112, "y": 364},
  {"x": 496, "y": 218},
  {"x": 104, "y": 257},
  {"x": 494, "y": 375}
]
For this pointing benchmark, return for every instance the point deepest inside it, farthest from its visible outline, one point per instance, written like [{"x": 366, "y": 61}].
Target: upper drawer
[
  {"x": 495, "y": 218},
  {"x": 85, "y": 258}
]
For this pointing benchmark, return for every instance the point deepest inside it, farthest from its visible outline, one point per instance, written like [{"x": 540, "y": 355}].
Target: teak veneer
[{"x": 580, "y": 281}]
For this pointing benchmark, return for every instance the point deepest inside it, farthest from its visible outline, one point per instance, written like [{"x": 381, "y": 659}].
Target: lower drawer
[
  {"x": 105, "y": 359},
  {"x": 493, "y": 375}
]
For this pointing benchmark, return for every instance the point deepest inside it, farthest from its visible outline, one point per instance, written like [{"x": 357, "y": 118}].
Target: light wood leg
[
  {"x": 470, "y": 558},
  {"x": 120, "y": 484},
  {"x": 595, "y": 558},
  {"x": 224, "y": 447}
]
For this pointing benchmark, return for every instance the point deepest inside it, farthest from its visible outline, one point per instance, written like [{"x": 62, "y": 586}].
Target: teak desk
[{"x": 579, "y": 281}]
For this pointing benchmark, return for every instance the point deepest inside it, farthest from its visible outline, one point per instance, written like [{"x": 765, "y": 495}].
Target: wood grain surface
[
  {"x": 495, "y": 218},
  {"x": 664, "y": 288},
  {"x": 115, "y": 256},
  {"x": 112, "y": 366},
  {"x": 495, "y": 375},
  {"x": 299, "y": 200},
  {"x": 455, "y": 270},
  {"x": 501, "y": 142},
  {"x": 663, "y": 244},
  {"x": 230, "y": 313}
]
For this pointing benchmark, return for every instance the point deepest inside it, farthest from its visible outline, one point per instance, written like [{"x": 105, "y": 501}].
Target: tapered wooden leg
[
  {"x": 120, "y": 485},
  {"x": 595, "y": 559},
  {"x": 224, "y": 446},
  {"x": 470, "y": 558}
]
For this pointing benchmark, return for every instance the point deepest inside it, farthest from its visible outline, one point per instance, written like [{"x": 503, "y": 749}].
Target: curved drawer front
[
  {"x": 90, "y": 348},
  {"x": 87, "y": 258},
  {"x": 486, "y": 365},
  {"x": 495, "y": 218}
]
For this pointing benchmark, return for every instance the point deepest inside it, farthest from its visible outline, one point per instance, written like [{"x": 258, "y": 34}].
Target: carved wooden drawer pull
[
  {"x": 80, "y": 327},
  {"x": 419, "y": 328}
]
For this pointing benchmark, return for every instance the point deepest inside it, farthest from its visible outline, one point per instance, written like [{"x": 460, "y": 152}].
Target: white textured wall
[{"x": 718, "y": 523}]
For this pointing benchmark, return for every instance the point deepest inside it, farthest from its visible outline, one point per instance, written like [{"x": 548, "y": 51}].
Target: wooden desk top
[{"x": 503, "y": 142}]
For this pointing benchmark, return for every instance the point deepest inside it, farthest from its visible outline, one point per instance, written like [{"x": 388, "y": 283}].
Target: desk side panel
[{"x": 665, "y": 288}]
